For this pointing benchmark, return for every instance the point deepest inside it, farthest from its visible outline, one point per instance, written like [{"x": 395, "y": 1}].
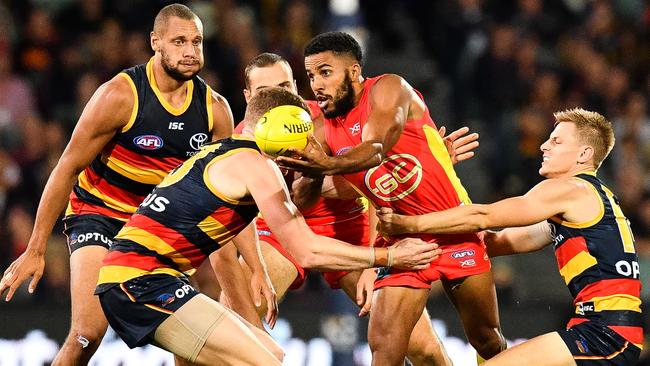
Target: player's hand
[
  {"x": 365, "y": 289},
  {"x": 391, "y": 223},
  {"x": 262, "y": 286},
  {"x": 414, "y": 254},
  {"x": 29, "y": 264},
  {"x": 459, "y": 144},
  {"x": 312, "y": 161}
]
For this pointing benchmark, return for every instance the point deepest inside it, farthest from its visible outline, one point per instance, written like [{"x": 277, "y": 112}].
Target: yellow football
[{"x": 281, "y": 128}]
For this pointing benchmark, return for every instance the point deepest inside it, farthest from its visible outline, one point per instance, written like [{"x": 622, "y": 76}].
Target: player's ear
[
  {"x": 247, "y": 95},
  {"x": 153, "y": 38},
  {"x": 586, "y": 154},
  {"x": 355, "y": 72}
]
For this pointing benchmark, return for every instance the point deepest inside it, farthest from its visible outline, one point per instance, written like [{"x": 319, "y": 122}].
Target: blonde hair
[{"x": 592, "y": 128}]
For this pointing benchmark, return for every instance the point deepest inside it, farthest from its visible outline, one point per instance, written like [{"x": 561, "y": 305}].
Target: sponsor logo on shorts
[
  {"x": 148, "y": 142},
  {"x": 467, "y": 263},
  {"x": 462, "y": 254},
  {"x": 90, "y": 237},
  {"x": 165, "y": 299},
  {"x": 263, "y": 232},
  {"x": 582, "y": 346},
  {"x": 585, "y": 307},
  {"x": 184, "y": 290}
]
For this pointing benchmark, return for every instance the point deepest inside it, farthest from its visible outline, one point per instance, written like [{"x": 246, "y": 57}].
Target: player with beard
[
  {"x": 337, "y": 214},
  {"x": 385, "y": 143},
  {"x": 135, "y": 129}
]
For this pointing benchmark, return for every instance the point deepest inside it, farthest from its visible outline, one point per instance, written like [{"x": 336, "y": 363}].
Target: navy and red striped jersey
[
  {"x": 156, "y": 139},
  {"x": 182, "y": 221},
  {"x": 600, "y": 267}
]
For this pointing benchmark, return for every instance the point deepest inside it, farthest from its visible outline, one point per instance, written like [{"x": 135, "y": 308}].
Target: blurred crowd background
[{"x": 501, "y": 67}]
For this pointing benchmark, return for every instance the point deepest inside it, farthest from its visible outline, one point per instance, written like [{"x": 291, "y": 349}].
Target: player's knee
[
  {"x": 487, "y": 343},
  {"x": 88, "y": 338}
]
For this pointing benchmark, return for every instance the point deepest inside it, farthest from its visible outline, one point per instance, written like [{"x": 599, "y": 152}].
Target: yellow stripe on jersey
[
  {"x": 178, "y": 173},
  {"x": 171, "y": 109},
  {"x": 577, "y": 265},
  {"x": 439, "y": 151},
  {"x": 156, "y": 244},
  {"x": 134, "y": 111},
  {"x": 208, "y": 103},
  {"x": 622, "y": 222},
  {"x": 109, "y": 201},
  {"x": 617, "y": 302},
  {"x": 215, "y": 230},
  {"x": 120, "y": 274},
  {"x": 213, "y": 189},
  {"x": 146, "y": 176},
  {"x": 586, "y": 224}
]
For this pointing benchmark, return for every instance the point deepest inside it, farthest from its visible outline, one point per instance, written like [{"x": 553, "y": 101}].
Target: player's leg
[
  {"x": 395, "y": 311},
  {"x": 88, "y": 324},
  {"x": 475, "y": 300},
  {"x": 204, "y": 280},
  {"x": 281, "y": 270},
  {"x": 424, "y": 346},
  {"x": 545, "y": 350},
  {"x": 203, "y": 332}
]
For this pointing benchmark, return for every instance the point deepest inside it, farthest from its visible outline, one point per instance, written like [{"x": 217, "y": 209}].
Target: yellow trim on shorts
[
  {"x": 134, "y": 111},
  {"x": 168, "y": 107}
]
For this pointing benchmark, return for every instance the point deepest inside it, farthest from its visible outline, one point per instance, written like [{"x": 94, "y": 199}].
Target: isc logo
[
  {"x": 176, "y": 125},
  {"x": 301, "y": 128},
  {"x": 148, "y": 142}
]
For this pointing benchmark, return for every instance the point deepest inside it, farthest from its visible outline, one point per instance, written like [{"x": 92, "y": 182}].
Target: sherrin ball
[{"x": 281, "y": 128}]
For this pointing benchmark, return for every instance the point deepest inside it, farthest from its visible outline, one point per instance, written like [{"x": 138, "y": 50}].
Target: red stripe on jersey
[
  {"x": 169, "y": 236},
  {"x": 133, "y": 260},
  {"x": 632, "y": 334},
  {"x": 114, "y": 192},
  {"x": 229, "y": 218},
  {"x": 80, "y": 207},
  {"x": 608, "y": 288},
  {"x": 143, "y": 161},
  {"x": 575, "y": 321},
  {"x": 570, "y": 249}
]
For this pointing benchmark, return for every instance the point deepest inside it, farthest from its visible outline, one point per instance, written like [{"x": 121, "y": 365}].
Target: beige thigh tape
[{"x": 185, "y": 332}]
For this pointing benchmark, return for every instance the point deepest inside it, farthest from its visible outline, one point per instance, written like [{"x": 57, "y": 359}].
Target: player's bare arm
[
  {"x": 108, "y": 111},
  {"x": 248, "y": 245},
  {"x": 552, "y": 197},
  {"x": 516, "y": 240},
  {"x": 222, "y": 117},
  {"x": 262, "y": 180}
]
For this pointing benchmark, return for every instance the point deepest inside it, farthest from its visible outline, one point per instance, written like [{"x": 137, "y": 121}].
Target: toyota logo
[{"x": 197, "y": 140}]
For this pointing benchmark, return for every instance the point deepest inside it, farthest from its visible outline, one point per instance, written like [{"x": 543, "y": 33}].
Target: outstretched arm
[
  {"x": 263, "y": 181},
  {"x": 518, "y": 239},
  {"x": 108, "y": 111},
  {"x": 547, "y": 199}
]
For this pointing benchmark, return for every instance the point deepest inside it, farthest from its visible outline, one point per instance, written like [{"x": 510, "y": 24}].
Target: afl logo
[
  {"x": 148, "y": 142},
  {"x": 197, "y": 140},
  {"x": 395, "y": 178}
]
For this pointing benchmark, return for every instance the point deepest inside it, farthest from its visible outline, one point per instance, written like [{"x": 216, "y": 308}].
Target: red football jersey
[{"x": 417, "y": 175}]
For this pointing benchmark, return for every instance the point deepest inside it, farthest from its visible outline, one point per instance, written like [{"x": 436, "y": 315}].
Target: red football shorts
[
  {"x": 352, "y": 230},
  {"x": 462, "y": 256}
]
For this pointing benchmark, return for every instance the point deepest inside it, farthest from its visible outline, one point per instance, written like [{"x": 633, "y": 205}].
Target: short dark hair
[
  {"x": 262, "y": 60},
  {"x": 338, "y": 42},
  {"x": 172, "y": 10},
  {"x": 269, "y": 98}
]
